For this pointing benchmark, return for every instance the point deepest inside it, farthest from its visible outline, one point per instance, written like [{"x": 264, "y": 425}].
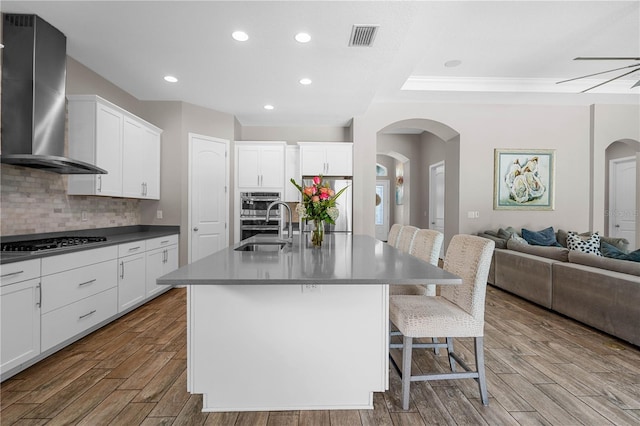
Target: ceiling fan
[{"x": 635, "y": 67}]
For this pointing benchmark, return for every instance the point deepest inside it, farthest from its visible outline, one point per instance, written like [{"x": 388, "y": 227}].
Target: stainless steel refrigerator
[{"x": 344, "y": 203}]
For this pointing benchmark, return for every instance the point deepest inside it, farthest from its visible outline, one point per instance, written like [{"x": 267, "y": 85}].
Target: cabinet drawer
[
  {"x": 66, "y": 322},
  {"x": 20, "y": 271},
  {"x": 128, "y": 249},
  {"x": 70, "y": 286},
  {"x": 65, "y": 262},
  {"x": 160, "y": 242}
]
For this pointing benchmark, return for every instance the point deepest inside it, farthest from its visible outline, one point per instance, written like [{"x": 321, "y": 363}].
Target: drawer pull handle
[
  {"x": 134, "y": 248},
  {"x": 87, "y": 314},
  {"x": 164, "y": 242},
  {"x": 10, "y": 274},
  {"x": 87, "y": 282}
]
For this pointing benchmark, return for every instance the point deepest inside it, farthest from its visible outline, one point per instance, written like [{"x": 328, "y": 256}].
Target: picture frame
[{"x": 524, "y": 179}]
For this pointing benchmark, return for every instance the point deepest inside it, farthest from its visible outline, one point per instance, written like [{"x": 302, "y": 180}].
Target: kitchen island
[{"x": 292, "y": 327}]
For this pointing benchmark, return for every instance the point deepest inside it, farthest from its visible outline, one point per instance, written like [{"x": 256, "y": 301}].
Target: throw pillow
[
  {"x": 517, "y": 238},
  {"x": 546, "y": 237},
  {"x": 613, "y": 252},
  {"x": 590, "y": 245}
]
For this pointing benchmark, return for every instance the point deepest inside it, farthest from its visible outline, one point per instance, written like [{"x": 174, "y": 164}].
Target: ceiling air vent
[{"x": 363, "y": 35}]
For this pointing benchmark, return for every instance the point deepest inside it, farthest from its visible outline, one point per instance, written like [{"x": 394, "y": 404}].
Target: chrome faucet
[{"x": 289, "y": 227}]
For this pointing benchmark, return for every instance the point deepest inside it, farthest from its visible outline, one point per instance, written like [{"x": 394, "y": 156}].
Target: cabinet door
[
  {"x": 248, "y": 165},
  {"x": 134, "y": 158},
  {"x": 160, "y": 262},
  {"x": 151, "y": 165},
  {"x": 312, "y": 160},
  {"x": 109, "y": 125},
  {"x": 339, "y": 160},
  {"x": 155, "y": 263},
  {"x": 20, "y": 323},
  {"x": 272, "y": 167},
  {"x": 131, "y": 280}
]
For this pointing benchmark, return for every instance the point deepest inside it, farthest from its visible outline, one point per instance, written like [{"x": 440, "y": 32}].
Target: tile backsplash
[{"x": 35, "y": 201}]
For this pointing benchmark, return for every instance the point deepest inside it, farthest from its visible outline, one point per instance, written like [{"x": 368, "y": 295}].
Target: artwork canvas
[{"x": 524, "y": 179}]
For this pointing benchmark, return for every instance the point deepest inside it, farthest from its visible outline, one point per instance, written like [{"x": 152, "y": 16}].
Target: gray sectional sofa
[{"x": 598, "y": 291}]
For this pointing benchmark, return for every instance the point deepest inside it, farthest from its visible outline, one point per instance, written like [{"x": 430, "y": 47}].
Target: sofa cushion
[
  {"x": 613, "y": 252},
  {"x": 621, "y": 244},
  {"x": 524, "y": 274},
  {"x": 606, "y": 300},
  {"x": 500, "y": 243},
  {"x": 545, "y": 237},
  {"x": 589, "y": 245},
  {"x": 556, "y": 253},
  {"x": 617, "y": 265}
]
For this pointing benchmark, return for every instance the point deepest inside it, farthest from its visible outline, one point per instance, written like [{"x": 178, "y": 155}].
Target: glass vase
[{"x": 318, "y": 233}]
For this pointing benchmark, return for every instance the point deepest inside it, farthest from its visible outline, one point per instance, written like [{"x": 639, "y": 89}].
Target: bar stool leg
[{"x": 407, "y": 348}]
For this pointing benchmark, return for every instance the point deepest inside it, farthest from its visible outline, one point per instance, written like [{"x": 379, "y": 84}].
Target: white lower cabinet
[
  {"x": 131, "y": 274},
  {"x": 47, "y": 302},
  {"x": 162, "y": 258},
  {"x": 19, "y": 323},
  {"x": 79, "y": 290},
  {"x": 64, "y": 323}
]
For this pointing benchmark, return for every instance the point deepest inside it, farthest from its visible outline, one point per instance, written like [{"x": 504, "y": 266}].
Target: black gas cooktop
[{"x": 49, "y": 243}]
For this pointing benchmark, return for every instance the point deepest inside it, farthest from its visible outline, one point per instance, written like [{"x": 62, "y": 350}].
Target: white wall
[
  {"x": 611, "y": 123},
  {"x": 483, "y": 128}
]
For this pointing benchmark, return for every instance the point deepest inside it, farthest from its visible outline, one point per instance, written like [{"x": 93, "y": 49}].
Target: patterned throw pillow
[{"x": 589, "y": 245}]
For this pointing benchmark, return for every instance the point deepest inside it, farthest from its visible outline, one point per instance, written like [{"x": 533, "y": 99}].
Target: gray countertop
[
  {"x": 343, "y": 259},
  {"x": 115, "y": 235}
]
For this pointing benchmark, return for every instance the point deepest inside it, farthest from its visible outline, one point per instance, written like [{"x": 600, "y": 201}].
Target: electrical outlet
[
  {"x": 159, "y": 214},
  {"x": 311, "y": 288}
]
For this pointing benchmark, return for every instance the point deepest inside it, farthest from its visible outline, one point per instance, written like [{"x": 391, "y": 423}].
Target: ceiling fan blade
[
  {"x": 604, "y": 58},
  {"x": 598, "y": 73},
  {"x": 610, "y": 80}
]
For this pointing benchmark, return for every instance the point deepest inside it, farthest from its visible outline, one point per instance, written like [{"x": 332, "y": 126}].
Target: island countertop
[{"x": 342, "y": 259}]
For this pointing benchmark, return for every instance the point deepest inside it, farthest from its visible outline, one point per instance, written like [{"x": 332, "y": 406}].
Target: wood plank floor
[{"x": 542, "y": 369}]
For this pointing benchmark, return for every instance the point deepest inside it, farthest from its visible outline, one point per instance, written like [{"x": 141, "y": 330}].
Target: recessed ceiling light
[
  {"x": 303, "y": 38},
  {"x": 240, "y": 36},
  {"x": 269, "y": 107},
  {"x": 305, "y": 81},
  {"x": 452, "y": 63},
  {"x": 170, "y": 79}
]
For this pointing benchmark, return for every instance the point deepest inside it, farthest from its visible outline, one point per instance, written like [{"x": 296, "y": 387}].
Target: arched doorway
[
  {"x": 415, "y": 145},
  {"x": 621, "y": 187}
]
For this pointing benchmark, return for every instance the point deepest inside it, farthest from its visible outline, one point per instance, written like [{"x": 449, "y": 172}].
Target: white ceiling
[{"x": 511, "y": 52}]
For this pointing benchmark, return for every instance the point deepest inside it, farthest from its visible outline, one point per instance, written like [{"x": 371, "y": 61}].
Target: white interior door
[
  {"x": 208, "y": 196},
  {"x": 436, "y": 199},
  {"x": 622, "y": 199},
  {"x": 382, "y": 209}
]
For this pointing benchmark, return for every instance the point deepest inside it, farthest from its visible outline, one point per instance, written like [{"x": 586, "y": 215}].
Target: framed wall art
[{"x": 524, "y": 179}]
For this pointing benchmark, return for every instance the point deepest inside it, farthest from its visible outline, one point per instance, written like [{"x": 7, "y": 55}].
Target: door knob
[
  {"x": 617, "y": 226},
  {"x": 195, "y": 229}
]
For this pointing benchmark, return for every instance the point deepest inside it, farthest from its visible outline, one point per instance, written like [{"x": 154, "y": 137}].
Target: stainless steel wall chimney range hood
[{"x": 34, "y": 63}]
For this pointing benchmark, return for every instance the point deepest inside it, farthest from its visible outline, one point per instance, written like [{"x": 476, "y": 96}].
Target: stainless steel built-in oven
[{"x": 253, "y": 212}]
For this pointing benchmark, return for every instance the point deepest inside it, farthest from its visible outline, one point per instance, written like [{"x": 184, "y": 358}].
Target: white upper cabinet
[
  {"x": 95, "y": 136},
  {"x": 260, "y": 165},
  {"x": 140, "y": 161},
  {"x": 326, "y": 158},
  {"x": 128, "y": 147}
]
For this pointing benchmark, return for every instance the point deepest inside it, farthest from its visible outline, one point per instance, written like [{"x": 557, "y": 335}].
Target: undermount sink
[{"x": 262, "y": 246}]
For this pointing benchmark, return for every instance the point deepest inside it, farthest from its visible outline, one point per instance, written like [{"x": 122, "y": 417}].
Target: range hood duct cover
[{"x": 33, "y": 97}]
